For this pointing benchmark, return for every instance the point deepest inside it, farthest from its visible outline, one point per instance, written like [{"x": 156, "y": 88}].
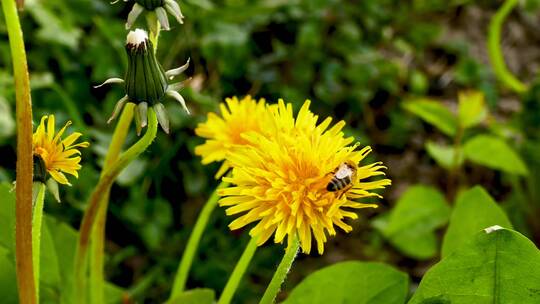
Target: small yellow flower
[
  {"x": 57, "y": 154},
  {"x": 225, "y": 132},
  {"x": 280, "y": 178}
]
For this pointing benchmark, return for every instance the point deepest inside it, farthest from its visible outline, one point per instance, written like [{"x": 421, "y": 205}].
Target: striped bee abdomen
[{"x": 337, "y": 184}]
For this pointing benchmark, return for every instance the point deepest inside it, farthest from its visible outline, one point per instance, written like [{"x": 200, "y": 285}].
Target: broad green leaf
[
  {"x": 65, "y": 243},
  {"x": 501, "y": 266},
  {"x": 412, "y": 222},
  {"x": 494, "y": 153},
  {"x": 8, "y": 281},
  {"x": 444, "y": 155},
  {"x": 434, "y": 113},
  {"x": 195, "y": 296},
  {"x": 7, "y": 216},
  {"x": 472, "y": 108},
  {"x": 352, "y": 282},
  {"x": 49, "y": 266},
  {"x": 474, "y": 211}
]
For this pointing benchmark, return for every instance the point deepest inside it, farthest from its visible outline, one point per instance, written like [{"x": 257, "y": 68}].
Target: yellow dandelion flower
[
  {"x": 300, "y": 178},
  {"x": 225, "y": 132},
  {"x": 58, "y": 155}
]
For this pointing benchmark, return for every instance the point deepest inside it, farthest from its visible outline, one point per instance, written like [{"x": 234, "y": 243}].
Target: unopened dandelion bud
[
  {"x": 146, "y": 83},
  {"x": 145, "y": 79}
]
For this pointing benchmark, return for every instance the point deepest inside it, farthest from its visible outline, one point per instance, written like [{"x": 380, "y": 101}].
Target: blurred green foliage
[{"x": 360, "y": 61}]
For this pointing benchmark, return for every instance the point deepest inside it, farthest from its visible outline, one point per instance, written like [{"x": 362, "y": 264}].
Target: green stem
[
  {"x": 494, "y": 48},
  {"x": 238, "y": 272},
  {"x": 193, "y": 243},
  {"x": 105, "y": 182},
  {"x": 37, "y": 220},
  {"x": 23, "y": 211},
  {"x": 281, "y": 273},
  {"x": 97, "y": 250}
]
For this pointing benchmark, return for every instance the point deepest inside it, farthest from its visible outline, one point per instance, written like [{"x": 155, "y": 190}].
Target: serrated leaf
[
  {"x": 444, "y": 155},
  {"x": 472, "y": 108},
  {"x": 474, "y": 211},
  {"x": 412, "y": 222},
  {"x": 502, "y": 266},
  {"x": 352, "y": 282},
  {"x": 195, "y": 296},
  {"x": 494, "y": 153},
  {"x": 434, "y": 113}
]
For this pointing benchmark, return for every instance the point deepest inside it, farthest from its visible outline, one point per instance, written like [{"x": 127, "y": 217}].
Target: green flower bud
[
  {"x": 146, "y": 82},
  {"x": 151, "y": 4},
  {"x": 145, "y": 79}
]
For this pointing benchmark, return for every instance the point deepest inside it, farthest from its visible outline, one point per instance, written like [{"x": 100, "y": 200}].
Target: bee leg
[{"x": 344, "y": 191}]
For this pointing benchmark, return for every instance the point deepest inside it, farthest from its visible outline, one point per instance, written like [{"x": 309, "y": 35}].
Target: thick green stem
[
  {"x": 97, "y": 251},
  {"x": 494, "y": 48},
  {"x": 238, "y": 272},
  {"x": 37, "y": 220},
  {"x": 105, "y": 182},
  {"x": 23, "y": 211},
  {"x": 193, "y": 243},
  {"x": 281, "y": 273}
]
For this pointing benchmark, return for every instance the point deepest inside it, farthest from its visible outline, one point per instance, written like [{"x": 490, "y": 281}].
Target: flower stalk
[
  {"x": 23, "y": 212},
  {"x": 97, "y": 196},
  {"x": 37, "y": 223},
  {"x": 238, "y": 272},
  {"x": 97, "y": 251},
  {"x": 281, "y": 273},
  {"x": 494, "y": 48},
  {"x": 193, "y": 243}
]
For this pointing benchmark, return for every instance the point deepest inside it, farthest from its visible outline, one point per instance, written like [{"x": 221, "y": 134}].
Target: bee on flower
[
  {"x": 54, "y": 156},
  {"x": 146, "y": 83},
  {"x": 298, "y": 178}
]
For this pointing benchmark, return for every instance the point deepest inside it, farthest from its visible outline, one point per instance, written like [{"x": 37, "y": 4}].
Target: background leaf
[
  {"x": 495, "y": 153},
  {"x": 474, "y": 210},
  {"x": 7, "y": 216},
  {"x": 444, "y": 155},
  {"x": 434, "y": 113},
  {"x": 411, "y": 224},
  {"x": 195, "y": 296},
  {"x": 7, "y": 123},
  {"x": 471, "y": 108},
  {"x": 498, "y": 267},
  {"x": 352, "y": 282},
  {"x": 8, "y": 282}
]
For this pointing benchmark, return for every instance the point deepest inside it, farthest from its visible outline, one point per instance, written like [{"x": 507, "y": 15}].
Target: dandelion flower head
[
  {"x": 224, "y": 132},
  {"x": 279, "y": 179},
  {"x": 59, "y": 155}
]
